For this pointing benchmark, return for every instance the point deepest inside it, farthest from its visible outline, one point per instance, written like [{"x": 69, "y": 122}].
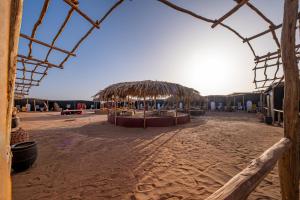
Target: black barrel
[
  {"x": 24, "y": 155},
  {"x": 15, "y": 122},
  {"x": 268, "y": 120}
]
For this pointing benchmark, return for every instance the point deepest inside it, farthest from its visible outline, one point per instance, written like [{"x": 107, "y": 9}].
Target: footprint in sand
[{"x": 145, "y": 187}]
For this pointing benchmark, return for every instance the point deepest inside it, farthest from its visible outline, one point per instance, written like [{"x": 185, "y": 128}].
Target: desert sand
[{"x": 84, "y": 157}]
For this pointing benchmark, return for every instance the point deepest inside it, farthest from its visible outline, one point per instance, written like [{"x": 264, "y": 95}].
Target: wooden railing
[{"x": 242, "y": 184}]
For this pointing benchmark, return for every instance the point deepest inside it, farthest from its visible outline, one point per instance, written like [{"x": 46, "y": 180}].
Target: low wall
[{"x": 150, "y": 122}]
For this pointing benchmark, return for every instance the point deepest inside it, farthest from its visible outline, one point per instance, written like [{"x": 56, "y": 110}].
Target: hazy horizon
[{"x": 146, "y": 40}]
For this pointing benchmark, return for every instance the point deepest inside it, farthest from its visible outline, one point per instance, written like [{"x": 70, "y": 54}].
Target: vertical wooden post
[
  {"x": 289, "y": 163},
  {"x": 272, "y": 104},
  {"x": 10, "y": 23},
  {"x": 47, "y": 106},
  {"x": 234, "y": 102},
  {"x": 260, "y": 102},
  {"x": 144, "y": 111},
  {"x": 155, "y": 102},
  {"x": 128, "y": 106},
  {"x": 115, "y": 101},
  {"x": 189, "y": 106},
  {"x": 27, "y": 102},
  {"x": 176, "y": 120},
  {"x": 34, "y": 105},
  {"x": 207, "y": 103},
  {"x": 243, "y": 102}
]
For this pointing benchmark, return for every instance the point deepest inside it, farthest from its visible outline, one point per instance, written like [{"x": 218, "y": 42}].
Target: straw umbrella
[{"x": 143, "y": 89}]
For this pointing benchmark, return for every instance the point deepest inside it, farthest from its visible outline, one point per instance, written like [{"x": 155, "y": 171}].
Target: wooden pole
[
  {"x": 272, "y": 104},
  {"x": 155, "y": 103},
  {"x": 234, "y": 102},
  {"x": 241, "y": 185},
  {"x": 10, "y": 23},
  {"x": 128, "y": 105},
  {"x": 207, "y": 103},
  {"x": 243, "y": 102},
  {"x": 47, "y": 45},
  {"x": 261, "y": 102},
  {"x": 34, "y": 105},
  {"x": 115, "y": 110},
  {"x": 176, "y": 105},
  {"x": 289, "y": 163},
  {"x": 189, "y": 106},
  {"x": 144, "y": 111}
]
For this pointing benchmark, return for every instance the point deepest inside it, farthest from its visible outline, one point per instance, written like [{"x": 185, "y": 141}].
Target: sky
[{"x": 146, "y": 40}]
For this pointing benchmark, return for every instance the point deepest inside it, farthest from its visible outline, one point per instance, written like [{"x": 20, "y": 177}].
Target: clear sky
[{"x": 144, "y": 39}]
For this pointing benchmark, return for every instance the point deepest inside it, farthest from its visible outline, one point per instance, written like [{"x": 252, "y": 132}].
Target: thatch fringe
[{"x": 146, "y": 88}]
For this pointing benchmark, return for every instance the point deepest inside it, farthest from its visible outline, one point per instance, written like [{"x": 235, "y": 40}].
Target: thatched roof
[
  {"x": 194, "y": 98},
  {"x": 145, "y": 88}
]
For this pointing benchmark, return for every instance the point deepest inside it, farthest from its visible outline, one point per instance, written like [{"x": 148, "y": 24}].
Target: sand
[{"x": 84, "y": 157}]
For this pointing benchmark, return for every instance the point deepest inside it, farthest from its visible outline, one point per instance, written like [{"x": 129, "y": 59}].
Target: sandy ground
[{"x": 84, "y": 157}]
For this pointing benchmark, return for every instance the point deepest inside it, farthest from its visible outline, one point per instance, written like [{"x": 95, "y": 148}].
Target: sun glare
[{"x": 209, "y": 70}]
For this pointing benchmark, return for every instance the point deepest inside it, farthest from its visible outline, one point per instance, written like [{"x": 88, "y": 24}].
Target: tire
[{"x": 24, "y": 155}]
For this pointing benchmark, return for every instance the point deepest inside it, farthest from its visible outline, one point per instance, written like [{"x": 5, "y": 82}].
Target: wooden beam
[
  {"x": 38, "y": 23},
  {"x": 27, "y": 79},
  {"x": 233, "y": 10},
  {"x": 20, "y": 93},
  {"x": 277, "y": 53},
  {"x": 10, "y": 23},
  {"x": 26, "y": 84},
  {"x": 289, "y": 163},
  {"x": 30, "y": 71},
  {"x": 75, "y": 7},
  {"x": 40, "y": 61},
  {"x": 47, "y": 45},
  {"x": 171, "y": 5},
  {"x": 110, "y": 11},
  {"x": 272, "y": 28},
  {"x": 32, "y": 63},
  {"x": 267, "y": 79},
  {"x": 183, "y": 10},
  {"x": 60, "y": 30},
  {"x": 242, "y": 184}
]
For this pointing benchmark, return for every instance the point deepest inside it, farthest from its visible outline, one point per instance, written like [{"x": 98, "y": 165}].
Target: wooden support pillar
[
  {"x": 115, "y": 101},
  {"x": 272, "y": 99},
  {"x": 155, "y": 102},
  {"x": 261, "y": 102},
  {"x": 289, "y": 163},
  {"x": 47, "y": 106},
  {"x": 128, "y": 105},
  {"x": 234, "y": 103},
  {"x": 10, "y": 23},
  {"x": 189, "y": 106},
  {"x": 207, "y": 103},
  {"x": 34, "y": 105},
  {"x": 176, "y": 106},
  {"x": 243, "y": 102},
  {"x": 144, "y": 111}
]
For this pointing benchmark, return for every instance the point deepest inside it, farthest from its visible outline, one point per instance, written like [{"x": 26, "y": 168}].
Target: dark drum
[
  {"x": 24, "y": 155},
  {"x": 15, "y": 122},
  {"x": 268, "y": 120}
]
